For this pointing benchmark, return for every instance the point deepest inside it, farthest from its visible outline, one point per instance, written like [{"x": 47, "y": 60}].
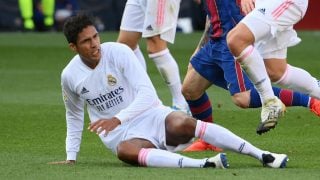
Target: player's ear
[{"x": 73, "y": 47}]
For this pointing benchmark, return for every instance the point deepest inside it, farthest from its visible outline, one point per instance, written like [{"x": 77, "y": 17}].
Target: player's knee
[
  {"x": 179, "y": 124},
  {"x": 122, "y": 151},
  {"x": 232, "y": 39},
  {"x": 131, "y": 45},
  {"x": 242, "y": 99},
  {"x": 190, "y": 93},
  {"x": 125, "y": 154}
]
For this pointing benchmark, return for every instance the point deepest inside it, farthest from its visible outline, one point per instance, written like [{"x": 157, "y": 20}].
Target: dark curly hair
[{"x": 75, "y": 24}]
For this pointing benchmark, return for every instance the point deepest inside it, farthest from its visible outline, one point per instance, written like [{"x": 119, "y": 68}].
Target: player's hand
[
  {"x": 247, "y": 6},
  {"x": 68, "y": 162},
  {"x": 104, "y": 125}
]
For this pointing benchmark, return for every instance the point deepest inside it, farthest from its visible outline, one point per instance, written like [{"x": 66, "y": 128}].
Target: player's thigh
[
  {"x": 180, "y": 128},
  {"x": 194, "y": 85},
  {"x": 206, "y": 62},
  {"x": 129, "y": 38}
]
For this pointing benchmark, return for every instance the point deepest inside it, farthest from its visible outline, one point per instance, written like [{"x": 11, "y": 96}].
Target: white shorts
[
  {"x": 151, "y": 18},
  {"x": 271, "y": 23},
  {"x": 150, "y": 126}
]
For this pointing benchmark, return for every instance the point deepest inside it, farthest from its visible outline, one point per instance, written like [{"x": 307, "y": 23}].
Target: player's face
[{"x": 88, "y": 46}]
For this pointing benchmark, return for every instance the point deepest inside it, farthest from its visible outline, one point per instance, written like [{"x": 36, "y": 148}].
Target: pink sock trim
[
  {"x": 202, "y": 129},
  {"x": 142, "y": 157},
  {"x": 160, "y": 53},
  {"x": 246, "y": 52},
  {"x": 284, "y": 76}
]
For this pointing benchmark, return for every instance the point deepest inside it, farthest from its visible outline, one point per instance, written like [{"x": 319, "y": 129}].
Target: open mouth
[{"x": 96, "y": 53}]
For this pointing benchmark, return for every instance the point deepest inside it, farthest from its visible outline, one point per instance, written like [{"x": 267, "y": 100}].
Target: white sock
[
  {"x": 225, "y": 139},
  {"x": 140, "y": 57},
  {"x": 253, "y": 64},
  {"x": 300, "y": 80},
  {"x": 169, "y": 71},
  {"x": 162, "y": 158}
]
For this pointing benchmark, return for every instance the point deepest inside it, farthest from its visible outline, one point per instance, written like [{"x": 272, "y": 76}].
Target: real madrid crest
[{"x": 111, "y": 80}]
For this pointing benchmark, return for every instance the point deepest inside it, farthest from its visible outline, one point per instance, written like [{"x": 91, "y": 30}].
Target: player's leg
[
  {"x": 159, "y": 28},
  {"x": 142, "y": 152},
  {"x": 131, "y": 39},
  {"x": 251, "y": 29},
  {"x": 203, "y": 71},
  {"x": 180, "y": 127},
  {"x": 292, "y": 77},
  {"x": 225, "y": 139},
  {"x": 248, "y": 97},
  {"x": 168, "y": 68},
  {"x": 193, "y": 89},
  {"x": 48, "y": 7},
  {"x": 145, "y": 143},
  {"x": 131, "y": 28},
  {"x": 26, "y": 9}
]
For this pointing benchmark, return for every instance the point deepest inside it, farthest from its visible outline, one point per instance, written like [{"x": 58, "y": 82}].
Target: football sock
[
  {"x": 140, "y": 57},
  {"x": 225, "y": 139},
  {"x": 288, "y": 97},
  {"x": 201, "y": 108},
  {"x": 48, "y": 7},
  {"x": 161, "y": 158},
  {"x": 252, "y": 63},
  {"x": 26, "y": 10},
  {"x": 300, "y": 80},
  {"x": 169, "y": 71}
]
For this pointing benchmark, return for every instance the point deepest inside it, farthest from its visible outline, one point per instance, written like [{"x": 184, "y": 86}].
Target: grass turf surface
[{"x": 32, "y": 118}]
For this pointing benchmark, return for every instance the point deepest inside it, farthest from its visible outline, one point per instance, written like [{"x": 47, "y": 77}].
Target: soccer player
[
  {"x": 155, "y": 20},
  {"x": 126, "y": 112},
  {"x": 265, "y": 34},
  {"x": 213, "y": 63}
]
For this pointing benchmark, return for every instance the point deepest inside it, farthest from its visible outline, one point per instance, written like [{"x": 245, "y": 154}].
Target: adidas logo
[
  {"x": 149, "y": 28},
  {"x": 84, "y": 90},
  {"x": 262, "y": 10}
]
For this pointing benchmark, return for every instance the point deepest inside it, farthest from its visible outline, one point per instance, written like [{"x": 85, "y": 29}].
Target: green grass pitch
[{"x": 32, "y": 118}]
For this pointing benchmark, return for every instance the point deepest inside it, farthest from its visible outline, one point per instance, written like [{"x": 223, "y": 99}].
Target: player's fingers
[
  {"x": 251, "y": 6},
  {"x": 94, "y": 126},
  {"x": 99, "y": 130},
  {"x": 244, "y": 8}
]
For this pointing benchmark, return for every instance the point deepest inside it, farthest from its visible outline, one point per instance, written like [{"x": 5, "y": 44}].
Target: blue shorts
[{"x": 215, "y": 63}]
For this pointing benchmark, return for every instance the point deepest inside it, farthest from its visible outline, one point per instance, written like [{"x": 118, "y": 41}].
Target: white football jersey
[{"x": 118, "y": 86}]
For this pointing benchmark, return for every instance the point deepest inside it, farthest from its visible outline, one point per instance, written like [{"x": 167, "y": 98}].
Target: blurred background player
[
  {"x": 213, "y": 63},
  {"x": 259, "y": 42},
  {"x": 63, "y": 10},
  {"x": 155, "y": 20},
  {"x": 37, "y": 14}
]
